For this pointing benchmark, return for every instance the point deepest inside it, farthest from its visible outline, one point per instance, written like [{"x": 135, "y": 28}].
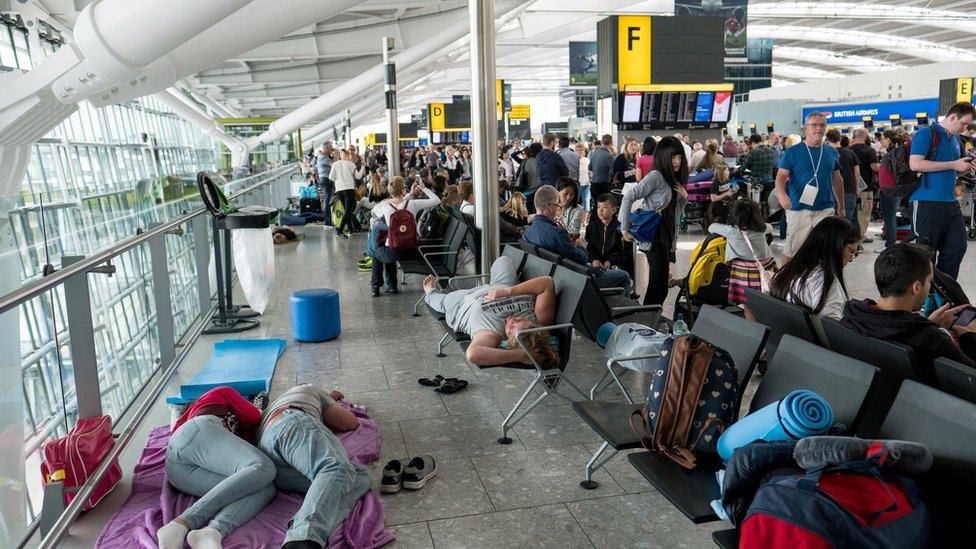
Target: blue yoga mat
[
  {"x": 800, "y": 414},
  {"x": 247, "y": 365}
]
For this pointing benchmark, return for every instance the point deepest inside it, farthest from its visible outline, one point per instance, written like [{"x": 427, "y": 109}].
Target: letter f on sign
[{"x": 632, "y": 37}]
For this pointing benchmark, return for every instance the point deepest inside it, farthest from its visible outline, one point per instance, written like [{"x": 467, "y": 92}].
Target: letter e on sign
[
  {"x": 964, "y": 89},
  {"x": 633, "y": 50}
]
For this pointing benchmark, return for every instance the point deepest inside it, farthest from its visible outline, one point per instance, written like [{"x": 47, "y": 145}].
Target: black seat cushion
[
  {"x": 726, "y": 539},
  {"x": 690, "y": 491},
  {"x": 610, "y": 420}
]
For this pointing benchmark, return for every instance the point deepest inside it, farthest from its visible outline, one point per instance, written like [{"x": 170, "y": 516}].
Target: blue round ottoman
[{"x": 315, "y": 314}]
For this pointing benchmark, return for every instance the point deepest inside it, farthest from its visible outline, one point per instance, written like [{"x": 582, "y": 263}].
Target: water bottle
[{"x": 679, "y": 326}]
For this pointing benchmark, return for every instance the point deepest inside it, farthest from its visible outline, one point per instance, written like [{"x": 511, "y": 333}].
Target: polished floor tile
[{"x": 548, "y": 526}]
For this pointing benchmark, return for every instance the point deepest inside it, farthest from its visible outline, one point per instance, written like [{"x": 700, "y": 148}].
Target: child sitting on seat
[
  {"x": 722, "y": 194},
  {"x": 604, "y": 245},
  {"x": 745, "y": 249}
]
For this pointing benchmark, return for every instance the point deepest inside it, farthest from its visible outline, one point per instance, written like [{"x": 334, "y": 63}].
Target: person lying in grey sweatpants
[{"x": 296, "y": 433}]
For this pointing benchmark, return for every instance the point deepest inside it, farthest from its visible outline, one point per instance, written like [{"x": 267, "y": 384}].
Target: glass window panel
[
  {"x": 22, "y": 49},
  {"x": 7, "y": 56}
]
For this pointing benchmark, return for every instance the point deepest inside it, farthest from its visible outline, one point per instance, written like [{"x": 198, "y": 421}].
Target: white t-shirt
[
  {"x": 810, "y": 291},
  {"x": 584, "y": 172},
  {"x": 467, "y": 208},
  {"x": 343, "y": 173},
  {"x": 415, "y": 205}
]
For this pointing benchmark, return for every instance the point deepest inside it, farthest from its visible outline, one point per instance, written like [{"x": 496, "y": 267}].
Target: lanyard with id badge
[{"x": 809, "y": 195}]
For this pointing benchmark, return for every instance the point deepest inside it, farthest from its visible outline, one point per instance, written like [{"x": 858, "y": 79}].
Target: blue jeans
[
  {"x": 585, "y": 197},
  {"x": 233, "y": 479},
  {"x": 613, "y": 278},
  {"x": 328, "y": 187},
  {"x": 850, "y": 210},
  {"x": 310, "y": 460},
  {"x": 889, "y": 215}
]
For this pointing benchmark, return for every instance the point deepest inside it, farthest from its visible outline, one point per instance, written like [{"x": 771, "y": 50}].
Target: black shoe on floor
[
  {"x": 390, "y": 290},
  {"x": 341, "y": 234},
  {"x": 375, "y": 292},
  {"x": 418, "y": 472}
]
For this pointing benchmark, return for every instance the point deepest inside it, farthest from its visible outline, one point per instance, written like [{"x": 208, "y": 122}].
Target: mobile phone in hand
[{"x": 966, "y": 316}]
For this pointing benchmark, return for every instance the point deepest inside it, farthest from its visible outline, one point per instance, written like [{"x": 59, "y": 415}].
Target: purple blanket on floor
[{"x": 153, "y": 502}]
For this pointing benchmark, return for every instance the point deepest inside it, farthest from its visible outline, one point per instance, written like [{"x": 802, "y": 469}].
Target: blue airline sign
[{"x": 854, "y": 113}]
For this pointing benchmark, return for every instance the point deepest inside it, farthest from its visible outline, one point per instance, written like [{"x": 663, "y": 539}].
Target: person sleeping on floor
[
  {"x": 494, "y": 313},
  {"x": 211, "y": 455}
]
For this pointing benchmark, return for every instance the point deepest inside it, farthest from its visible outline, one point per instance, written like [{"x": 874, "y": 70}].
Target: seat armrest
[
  {"x": 451, "y": 285},
  {"x": 613, "y": 291}
]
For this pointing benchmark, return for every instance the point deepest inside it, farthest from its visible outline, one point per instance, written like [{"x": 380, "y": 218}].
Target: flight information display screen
[
  {"x": 632, "y": 107},
  {"x": 674, "y": 109}
]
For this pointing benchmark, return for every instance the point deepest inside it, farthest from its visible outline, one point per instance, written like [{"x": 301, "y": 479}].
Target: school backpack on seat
[
  {"x": 895, "y": 176},
  {"x": 708, "y": 271},
  {"x": 403, "y": 229},
  {"x": 855, "y": 504},
  {"x": 73, "y": 458},
  {"x": 691, "y": 400},
  {"x": 433, "y": 222}
]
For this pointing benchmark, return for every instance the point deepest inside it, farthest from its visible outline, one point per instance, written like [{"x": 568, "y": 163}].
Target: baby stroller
[
  {"x": 707, "y": 282},
  {"x": 699, "y": 188}
]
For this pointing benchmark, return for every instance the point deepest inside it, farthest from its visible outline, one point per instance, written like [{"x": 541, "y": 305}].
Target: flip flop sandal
[
  {"x": 431, "y": 382},
  {"x": 451, "y": 386}
]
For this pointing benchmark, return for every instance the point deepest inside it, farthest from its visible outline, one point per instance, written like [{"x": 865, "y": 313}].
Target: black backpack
[{"x": 433, "y": 222}]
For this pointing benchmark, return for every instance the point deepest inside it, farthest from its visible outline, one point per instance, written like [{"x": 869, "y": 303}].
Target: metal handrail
[
  {"x": 29, "y": 291},
  {"x": 61, "y": 527}
]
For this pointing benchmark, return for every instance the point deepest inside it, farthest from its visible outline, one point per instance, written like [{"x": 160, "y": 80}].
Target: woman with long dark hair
[
  {"x": 662, "y": 190},
  {"x": 814, "y": 277}
]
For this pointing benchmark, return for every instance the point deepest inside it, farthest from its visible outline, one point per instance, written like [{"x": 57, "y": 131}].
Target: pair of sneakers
[
  {"x": 412, "y": 474},
  {"x": 365, "y": 264}
]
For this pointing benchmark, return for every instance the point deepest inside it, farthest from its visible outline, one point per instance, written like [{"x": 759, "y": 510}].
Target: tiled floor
[{"x": 485, "y": 494}]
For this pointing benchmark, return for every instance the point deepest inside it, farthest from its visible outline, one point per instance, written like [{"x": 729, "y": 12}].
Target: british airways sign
[{"x": 846, "y": 113}]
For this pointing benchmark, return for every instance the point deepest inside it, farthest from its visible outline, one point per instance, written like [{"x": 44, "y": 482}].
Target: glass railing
[{"x": 97, "y": 334}]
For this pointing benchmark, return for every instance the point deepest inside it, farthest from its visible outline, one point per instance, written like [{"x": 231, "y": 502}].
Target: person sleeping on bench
[
  {"x": 296, "y": 432},
  {"x": 493, "y": 314}
]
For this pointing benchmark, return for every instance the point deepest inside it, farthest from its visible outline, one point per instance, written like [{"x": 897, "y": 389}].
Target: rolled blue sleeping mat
[{"x": 800, "y": 414}]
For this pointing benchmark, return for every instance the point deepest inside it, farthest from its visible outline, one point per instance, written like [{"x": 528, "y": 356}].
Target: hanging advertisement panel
[
  {"x": 733, "y": 11},
  {"x": 582, "y": 64}
]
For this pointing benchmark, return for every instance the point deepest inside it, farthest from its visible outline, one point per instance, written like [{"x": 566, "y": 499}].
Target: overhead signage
[
  {"x": 964, "y": 89},
  {"x": 520, "y": 112},
  {"x": 675, "y": 107},
  {"x": 633, "y": 50},
  {"x": 436, "y": 111},
  {"x": 450, "y": 116},
  {"x": 734, "y": 12},
  {"x": 500, "y": 98},
  {"x": 582, "y": 64},
  {"x": 854, "y": 113},
  {"x": 679, "y": 87},
  {"x": 407, "y": 131}
]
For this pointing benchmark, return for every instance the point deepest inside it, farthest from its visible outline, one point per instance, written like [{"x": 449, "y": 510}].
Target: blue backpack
[
  {"x": 854, "y": 504},
  {"x": 692, "y": 399}
]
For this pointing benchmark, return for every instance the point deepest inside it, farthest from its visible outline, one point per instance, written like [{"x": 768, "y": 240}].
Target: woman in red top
[
  {"x": 211, "y": 455},
  {"x": 646, "y": 161}
]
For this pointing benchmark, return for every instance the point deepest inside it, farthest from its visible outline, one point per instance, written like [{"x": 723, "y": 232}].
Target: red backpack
[
  {"x": 73, "y": 458},
  {"x": 895, "y": 176},
  {"x": 403, "y": 229}
]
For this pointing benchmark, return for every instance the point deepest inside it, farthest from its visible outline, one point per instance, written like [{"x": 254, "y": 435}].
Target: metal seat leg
[
  {"x": 592, "y": 466},
  {"x": 440, "y": 345},
  {"x": 508, "y": 423}
]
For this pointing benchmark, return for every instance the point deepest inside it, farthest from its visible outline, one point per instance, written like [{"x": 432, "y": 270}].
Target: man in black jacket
[
  {"x": 551, "y": 166},
  {"x": 903, "y": 274}
]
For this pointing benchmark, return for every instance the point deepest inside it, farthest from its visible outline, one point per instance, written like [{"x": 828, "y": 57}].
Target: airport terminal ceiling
[{"x": 811, "y": 41}]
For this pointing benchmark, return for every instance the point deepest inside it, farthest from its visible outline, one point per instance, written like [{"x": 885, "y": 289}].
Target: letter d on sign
[{"x": 633, "y": 50}]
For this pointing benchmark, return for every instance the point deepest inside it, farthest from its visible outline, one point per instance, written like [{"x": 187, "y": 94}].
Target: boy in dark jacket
[
  {"x": 903, "y": 274},
  {"x": 604, "y": 245}
]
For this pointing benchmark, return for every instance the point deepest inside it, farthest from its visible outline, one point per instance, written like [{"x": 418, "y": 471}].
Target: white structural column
[
  {"x": 175, "y": 100},
  {"x": 484, "y": 127},
  {"x": 390, "y": 93}
]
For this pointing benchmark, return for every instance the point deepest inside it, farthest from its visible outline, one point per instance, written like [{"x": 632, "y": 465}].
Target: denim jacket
[{"x": 545, "y": 233}]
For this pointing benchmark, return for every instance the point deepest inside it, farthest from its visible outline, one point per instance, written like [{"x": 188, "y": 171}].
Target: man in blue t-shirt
[
  {"x": 808, "y": 184},
  {"x": 936, "y": 216}
]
